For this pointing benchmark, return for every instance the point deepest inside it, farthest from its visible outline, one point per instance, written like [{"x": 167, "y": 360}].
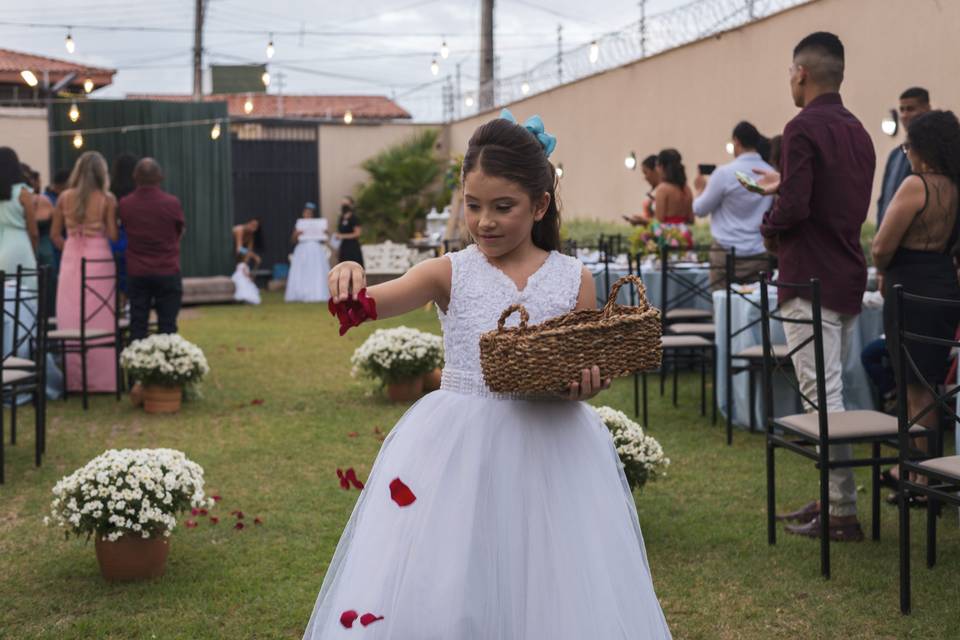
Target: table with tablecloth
[
  {"x": 857, "y": 390},
  {"x": 54, "y": 376},
  {"x": 679, "y": 294}
]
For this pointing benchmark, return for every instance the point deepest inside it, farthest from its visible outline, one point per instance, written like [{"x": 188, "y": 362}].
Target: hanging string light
[
  {"x": 248, "y": 105},
  {"x": 77, "y": 140},
  {"x": 29, "y": 77},
  {"x": 729, "y": 148},
  {"x": 88, "y": 85},
  {"x": 525, "y": 88},
  {"x": 265, "y": 78},
  {"x": 468, "y": 101},
  {"x": 74, "y": 112},
  {"x": 348, "y": 117},
  {"x": 434, "y": 67},
  {"x": 630, "y": 162},
  {"x": 270, "y": 49},
  {"x": 444, "y": 50},
  {"x": 594, "y": 52},
  {"x": 560, "y": 170},
  {"x": 215, "y": 131},
  {"x": 69, "y": 43}
]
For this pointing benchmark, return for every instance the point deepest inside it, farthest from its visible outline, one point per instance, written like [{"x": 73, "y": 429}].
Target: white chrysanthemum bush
[
  {"x": 641, "y": 455},
  {"x": 392, "y": 355},
  {"x": 167, "y": 359},
  {"x": 135, "y": 492}
]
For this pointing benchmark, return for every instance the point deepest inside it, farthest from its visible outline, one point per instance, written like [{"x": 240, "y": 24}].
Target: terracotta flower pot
[
  {"x": 161, "y": 399},
  {"x": 132, "y": 558},
  {"x": 406, "y": 390},
  {"x": 431, "y": 380}
]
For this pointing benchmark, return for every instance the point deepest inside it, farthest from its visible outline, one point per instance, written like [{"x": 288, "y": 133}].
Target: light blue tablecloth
[
  {"x": 857, "y": 390},
  {"x": 651, "y": 276},
  {"x": 54, "y": 376}
]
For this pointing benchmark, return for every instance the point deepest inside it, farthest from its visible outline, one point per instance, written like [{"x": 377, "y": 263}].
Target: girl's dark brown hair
[
  {"x": 672, "y": 164},
  {"x": 506, "y": 150}
]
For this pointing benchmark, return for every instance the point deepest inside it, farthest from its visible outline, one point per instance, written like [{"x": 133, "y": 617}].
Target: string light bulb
[
  {"x": 215, "y": 131},
  {"x": 74, "y": 112},
  {"x": 560, "y": 170},
  {"x": 88, "y": 85},
  {"x": 265, "y": 78},
  {"x": 248, "y": 105},
  {"x": 468, "y": 101},
  {"x": 525, "y": 88},
  {"x": 348, "y": 117},
  {"x": 29, "y": 77},
  {"x": 729, "y": 148},
  {"x": 594, "y": 52},
  {"x": 270, "y": 48},
  {"x": 69, "y": 43},
  {"x": 889, "y": 125},
  {"x": 77, "y": 140},
  {"x": 444, "y": 50},
  {"x": 630, "y": 162},
  {"x": 434, "y": 67}
]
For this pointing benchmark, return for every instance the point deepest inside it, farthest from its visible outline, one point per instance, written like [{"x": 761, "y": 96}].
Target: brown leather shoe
[
  {"x": 838, "y": 532},
  {"x": 804, "y": 514}
]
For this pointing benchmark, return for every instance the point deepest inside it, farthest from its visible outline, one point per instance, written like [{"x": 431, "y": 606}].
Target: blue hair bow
[{"x": 535, "y": 126}]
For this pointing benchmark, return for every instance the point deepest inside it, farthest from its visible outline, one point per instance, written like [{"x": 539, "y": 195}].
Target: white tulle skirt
[
  {"x": 307, "y": 280},
  {"x": 523, "y": 527},
  {"x": 244, "y": 288}
]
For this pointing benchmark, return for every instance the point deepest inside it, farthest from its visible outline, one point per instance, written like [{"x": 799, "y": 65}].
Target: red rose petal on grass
[
  {"x": 190, "y": 524},
  {"x": 238, "y": 514},
  {"x": 401, "y": 494},
  {"x": 203, "y": 512},
  {"x": 368, "y": 619},
  {"x": 194, "y": 512},
  {"x": 216, "y": 498},
  {"x": 239, "y": 525},
  {"x": 257, "y": 521},
  {"x": 351, "y": 476},
  {"x": 214, "y": 519},
  {"x": 257, "y": 402},
  {"x": 377, "y": 431},
  {"x": 344, "y": 483},
  {"x": 352, "y": 434},
  {"x": 347, "y": 618}
]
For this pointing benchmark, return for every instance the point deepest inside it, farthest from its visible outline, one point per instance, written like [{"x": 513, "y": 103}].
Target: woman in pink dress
[{"x": 88, "y": 211}]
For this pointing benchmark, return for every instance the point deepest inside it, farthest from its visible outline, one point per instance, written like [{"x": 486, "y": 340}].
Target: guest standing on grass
[
  {"x": 155, "y": 226},
  {"x": 122, "y": 184},
  {"x": 814, "y": 227},
  {"x": 348, "y": 233},
  {"x": 18, "y": 224},
  {"x": 673, "y": 199}
]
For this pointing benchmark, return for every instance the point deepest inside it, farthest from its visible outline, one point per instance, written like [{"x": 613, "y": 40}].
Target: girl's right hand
[{"x": 346, "y": 280}]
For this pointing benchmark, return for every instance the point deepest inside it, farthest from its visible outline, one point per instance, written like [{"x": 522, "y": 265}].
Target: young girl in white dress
[
  {"x": 309, "y": 266},
  {"x": 488, "y": 517}
]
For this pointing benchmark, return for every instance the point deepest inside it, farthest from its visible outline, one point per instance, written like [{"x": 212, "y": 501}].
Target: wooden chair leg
[
  {"x": 676, "y": 377},
  {"x": 753, "y": 399},
  {"x": 875, "y": 494},
  {"x": 643, "y": 384},
  {"x": 932, "y": 508},
  {"x": 13, "y": 416},
  {"x": 37, "y": 436},
  {"x": 83, "y": 375},
  {"x": 902, "y": 497},
  {"x": 703, "y": 383},
  {"x": 771, "y": 495},
  {"x": 825, "y": 513},
  {"x": 713, "y": 392}
]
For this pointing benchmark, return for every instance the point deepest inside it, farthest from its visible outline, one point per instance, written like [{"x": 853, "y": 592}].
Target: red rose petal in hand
[
  {"x": 190, "y": 524},
  {"x": 351, "y": 312},
  {"x": 214, "y": 519},
  {"x": 347, "y": 618},
  {"x": 344, "y": 483},
  {"x": 368, "y": 619},
  {"x": 401, "y": 493},
  {"x": 351, "y": 475},
  {"x": 239, "y": 525}
]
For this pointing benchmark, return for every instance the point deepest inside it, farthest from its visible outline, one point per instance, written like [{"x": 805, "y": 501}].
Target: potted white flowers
[
  {"x": 163, "y": 364},
  {"x": 128, "y": 500},
  {"x": 641, "y": 455},
  {"x": 399, "y": 358}
]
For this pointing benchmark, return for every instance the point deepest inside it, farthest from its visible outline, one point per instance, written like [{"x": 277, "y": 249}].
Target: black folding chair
[
  {"x": 942, "y": 473},
  {"x": 811, "y": 434},
  {"x": 680, "y": 314},
  {"x": 85, "y": 339},
  {"x": 19, "y": 374}
]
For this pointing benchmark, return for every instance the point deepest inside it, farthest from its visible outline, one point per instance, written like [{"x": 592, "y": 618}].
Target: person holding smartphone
[{"x": 735, "y": 213}]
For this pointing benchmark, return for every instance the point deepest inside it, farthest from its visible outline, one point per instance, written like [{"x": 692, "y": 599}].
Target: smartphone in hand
[
  {"x": 706, "y": 169},
  {"x": 749, "y": 183}
]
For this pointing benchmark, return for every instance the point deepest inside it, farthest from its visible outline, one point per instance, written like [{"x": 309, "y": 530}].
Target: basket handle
[
  {"x": 524, "y": 316},
  {"x": 641, "y": 294}
]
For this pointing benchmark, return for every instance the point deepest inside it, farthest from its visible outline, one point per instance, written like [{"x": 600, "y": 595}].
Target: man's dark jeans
[{"x": 162, "y": 292}]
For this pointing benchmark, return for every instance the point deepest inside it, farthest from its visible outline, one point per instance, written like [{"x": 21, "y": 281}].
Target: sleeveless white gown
[
  {"x": 523, "y": 526},
  {"x": 309, "y": 266}
]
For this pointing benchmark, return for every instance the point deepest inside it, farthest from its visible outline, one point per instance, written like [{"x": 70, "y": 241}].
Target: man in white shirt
[{"x": 735, "y": 213}]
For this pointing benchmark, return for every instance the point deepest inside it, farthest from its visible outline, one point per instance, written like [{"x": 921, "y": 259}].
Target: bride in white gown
[
  {"x": 309, "y": 266},
  {"x": 485, "y": 516}
]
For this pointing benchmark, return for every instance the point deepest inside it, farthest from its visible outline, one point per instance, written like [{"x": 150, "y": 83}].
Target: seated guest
[
  {"x": 673, "y": 199},
  {"x": 913, "y": 102},
  {"x": 916, "y": 247},
  {"x": 735, "y": 213}
]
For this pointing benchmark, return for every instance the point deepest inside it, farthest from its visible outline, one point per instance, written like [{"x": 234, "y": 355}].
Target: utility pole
[
  {"x": 198, "y": 50},
  {"x": 486, "y": 55},
  {"x": 458, "y": 99},
  {"x": 559, "y": 54},
  {"x": 643, "y": 28}
]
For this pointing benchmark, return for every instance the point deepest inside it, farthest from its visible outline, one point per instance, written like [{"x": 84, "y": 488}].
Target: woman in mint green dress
[{"x": 18, "y": 224}]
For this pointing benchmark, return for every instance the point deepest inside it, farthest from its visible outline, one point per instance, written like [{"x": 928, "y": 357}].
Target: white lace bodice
[{"x": 479, "y": 292}]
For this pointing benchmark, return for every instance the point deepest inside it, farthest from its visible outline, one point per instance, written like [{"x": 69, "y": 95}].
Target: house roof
[
  {"x": 13, "y": 62},
  {"x": 296, "y": 106}
]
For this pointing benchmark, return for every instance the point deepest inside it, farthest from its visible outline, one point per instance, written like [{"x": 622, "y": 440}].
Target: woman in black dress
[
  {"x": 916, "y": 247},
  {"x": 348, "y": 232}
]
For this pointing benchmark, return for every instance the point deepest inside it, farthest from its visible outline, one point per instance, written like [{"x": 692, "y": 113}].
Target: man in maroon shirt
[
  {"x": 824, "y": 195},
  {"x": 154, "y": 223}
]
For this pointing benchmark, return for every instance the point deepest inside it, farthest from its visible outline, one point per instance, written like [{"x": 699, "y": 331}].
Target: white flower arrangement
[
  {"x": 166, "y": 359},
  {"x": 396, "y": 354},
  {"x": 135, "y": 492},
  {"x": 641, "y": 456}
]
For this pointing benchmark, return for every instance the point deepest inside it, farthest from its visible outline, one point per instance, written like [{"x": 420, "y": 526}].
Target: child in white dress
[{"x": 488, "y": 517}]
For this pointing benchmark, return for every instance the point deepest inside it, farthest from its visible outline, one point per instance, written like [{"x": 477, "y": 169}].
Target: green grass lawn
[{"x": 704, "y": 523}]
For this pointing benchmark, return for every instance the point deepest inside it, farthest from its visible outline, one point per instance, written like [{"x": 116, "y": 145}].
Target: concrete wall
[
  {"x": 690, "y": 98},
  {"x": 343, "y": 148},
  {"x": 25, "y": 131}
]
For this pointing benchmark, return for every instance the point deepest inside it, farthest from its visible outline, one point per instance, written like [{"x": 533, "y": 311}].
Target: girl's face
[{"x": 499, "y": 213}]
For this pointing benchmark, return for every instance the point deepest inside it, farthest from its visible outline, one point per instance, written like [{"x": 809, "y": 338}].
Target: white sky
[{"x": 368, "y": 46}]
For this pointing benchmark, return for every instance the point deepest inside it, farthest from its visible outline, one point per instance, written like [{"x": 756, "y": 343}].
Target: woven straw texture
[{"x": 545, "y": 358}]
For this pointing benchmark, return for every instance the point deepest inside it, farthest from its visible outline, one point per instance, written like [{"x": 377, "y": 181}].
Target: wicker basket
[{"x": 545, "y": 358}]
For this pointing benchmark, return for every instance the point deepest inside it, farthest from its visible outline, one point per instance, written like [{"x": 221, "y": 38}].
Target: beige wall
[
  {"x": 343, "y": 148},
  {"x": 690, "y": 98},
  {"x": 25, "y": 131}
]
